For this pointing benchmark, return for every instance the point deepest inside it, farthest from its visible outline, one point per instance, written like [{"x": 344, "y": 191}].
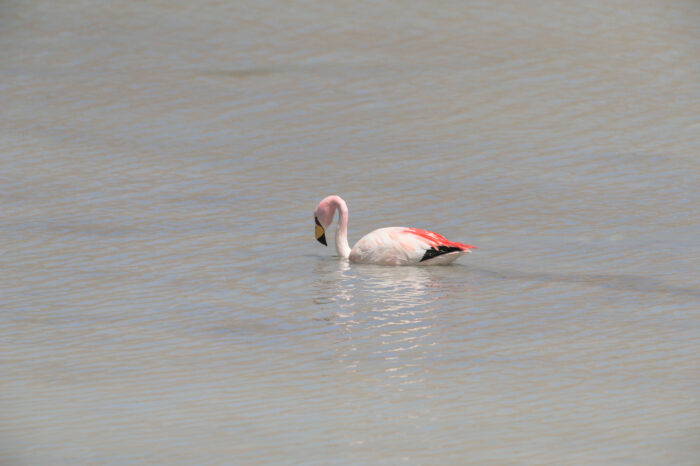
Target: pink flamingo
[{"x": 385, "y": 246}]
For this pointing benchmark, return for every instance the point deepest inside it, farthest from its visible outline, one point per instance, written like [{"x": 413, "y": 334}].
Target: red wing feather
[{"x": 436, "y": 240}]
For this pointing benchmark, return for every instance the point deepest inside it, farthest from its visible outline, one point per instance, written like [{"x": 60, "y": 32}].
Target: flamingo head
[{"x": 323, "y": 216}]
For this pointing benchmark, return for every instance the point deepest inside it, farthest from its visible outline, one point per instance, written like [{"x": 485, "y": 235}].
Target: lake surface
[{"x": 162, "y": 298}]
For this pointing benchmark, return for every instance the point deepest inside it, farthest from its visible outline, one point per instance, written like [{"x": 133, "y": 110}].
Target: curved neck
[{"x": 341, "y": 233}]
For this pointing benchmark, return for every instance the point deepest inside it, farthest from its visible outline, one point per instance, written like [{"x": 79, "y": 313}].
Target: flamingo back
[{"x": 406, "y": 246}]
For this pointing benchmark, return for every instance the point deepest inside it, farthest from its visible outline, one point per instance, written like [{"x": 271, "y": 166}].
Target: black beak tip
[{"x": 322, "y": 240}]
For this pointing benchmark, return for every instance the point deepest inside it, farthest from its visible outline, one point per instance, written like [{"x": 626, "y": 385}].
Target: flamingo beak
[{"x": 320, "y": 233}]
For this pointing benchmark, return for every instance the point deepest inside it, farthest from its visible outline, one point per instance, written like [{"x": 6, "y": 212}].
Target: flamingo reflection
[{"x": 383, "y": 318}]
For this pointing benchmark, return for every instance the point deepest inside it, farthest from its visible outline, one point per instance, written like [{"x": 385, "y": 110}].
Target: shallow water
[{"x": 163, "y": 300}]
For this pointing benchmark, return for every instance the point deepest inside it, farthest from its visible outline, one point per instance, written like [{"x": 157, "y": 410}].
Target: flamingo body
[{"x": 386, "y": 246}]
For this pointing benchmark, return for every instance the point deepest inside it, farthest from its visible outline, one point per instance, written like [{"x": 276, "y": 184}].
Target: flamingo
[{"x": 385, "y": 246}]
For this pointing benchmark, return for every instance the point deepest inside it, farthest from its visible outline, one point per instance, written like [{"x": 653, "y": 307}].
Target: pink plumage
[{"x": 386, "y": 246}]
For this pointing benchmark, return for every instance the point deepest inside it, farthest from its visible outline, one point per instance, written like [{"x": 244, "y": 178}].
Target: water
[{"x": 163, "y": 299}]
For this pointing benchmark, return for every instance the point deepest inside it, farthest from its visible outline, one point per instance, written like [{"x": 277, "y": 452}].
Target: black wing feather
[{"x": 439, "y": 251}]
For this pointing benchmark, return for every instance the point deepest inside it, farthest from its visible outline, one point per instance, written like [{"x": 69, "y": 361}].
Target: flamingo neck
[{"x": 341, "y": 233}]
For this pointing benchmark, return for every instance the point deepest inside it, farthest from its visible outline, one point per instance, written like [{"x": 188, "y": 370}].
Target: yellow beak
[{"x": 320, "y": 233}]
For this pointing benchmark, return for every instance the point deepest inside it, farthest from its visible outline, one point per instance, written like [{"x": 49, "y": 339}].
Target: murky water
[{"x": 163, "y": 299}]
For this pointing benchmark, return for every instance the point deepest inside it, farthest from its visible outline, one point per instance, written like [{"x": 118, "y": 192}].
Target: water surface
[{"x": 162, "y": 298}]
